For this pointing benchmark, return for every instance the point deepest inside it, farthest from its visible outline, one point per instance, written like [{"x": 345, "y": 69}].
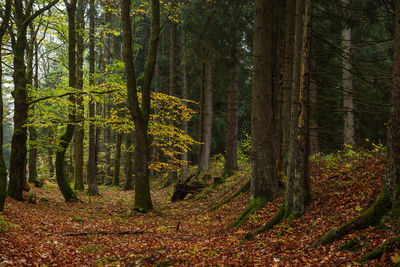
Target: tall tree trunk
[
  {"x": 264, "y": 183},
  {"x": 233, "y": 91},
  {"x": 22, "y": 18},
  {"x": 79, "y": 129},
  {"x": 287, "y": 79},
  {"x": 128, "y": 162},
  {"x": 117, "y": 159},
  {"x": 172, "y": 174},
  {"x": 278, "y": 65},
  {"x": 92, "y": 164},
  {"x": 204, "y": 161},
  {"x": 347, "y": 80},
  {"x": 32, "y": 157},
  {"x": 141, "y": 113},
  {"x": 50, "y": 162},
  {"x": 314, "y": 147},
  {"x": 185, "y": 158},
  {"x": 3, "y": 169},
  {"x": 302, "y": 189},
  {"x": 19, "y": 137},
  {"x": 66, "y": 138}
]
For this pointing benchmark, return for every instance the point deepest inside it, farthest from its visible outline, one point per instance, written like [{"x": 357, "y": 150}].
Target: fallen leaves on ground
[{"x": 35, "y": 233}]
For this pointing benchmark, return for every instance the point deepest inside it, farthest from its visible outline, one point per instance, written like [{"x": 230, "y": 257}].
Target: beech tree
[
  {"x": 65, "y": 139},
  {"x": 24, "y": 15},
  {"x": 141, "y": 113},
  {"x": 5, "y": 14}
]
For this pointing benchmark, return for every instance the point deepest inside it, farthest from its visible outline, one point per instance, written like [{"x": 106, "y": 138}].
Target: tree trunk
[
  {"x": 32, "y": 157},
  {"x": 79, "y": 129},
  {"x": 172, "y": 174},
  {"x": 141, "y": 113},
  {"x": 204, "y": 161},
  {"x": 92, "y": 164},
  {"x": 287, "y": 79},
  {"x": 3, "y": 169},
  {"x": 50, "y": 162},
  {"x": 348, "y": 104},
  {"x": 19, "y": 137},
  {"x": 233, "y": 91},
  {"x": 117, "y": 159},
  {"x": 128, "y": 162},
  {"x": 314, "y": 147},
  {"x": 66, "y": 138},
  {"x": 264, "y": 184},
  {"x": 185, "y": 158}
]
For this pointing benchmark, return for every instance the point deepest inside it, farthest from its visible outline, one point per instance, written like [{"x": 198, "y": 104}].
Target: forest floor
[{"x": 34, "y": 233}]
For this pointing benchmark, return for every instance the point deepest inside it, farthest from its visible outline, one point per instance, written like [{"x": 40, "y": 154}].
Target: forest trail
[{"x": 32, "y": 234}]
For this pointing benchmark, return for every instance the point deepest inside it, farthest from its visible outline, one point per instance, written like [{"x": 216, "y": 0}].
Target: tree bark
[
  {"x": 79, "y": 129},
  {"x": 117, "y": 159},
  {"x": 184, "y": 170},
  {"x": 287, "y": 79},
  {"x": 32, "y": 157},
  {"x": 66, "y": 138},
  {"x": 19, "y": 137},
  {"x": 204, "y": 160},
  {"x": 264, "y": 183},
  {"x": 347, "y": 80},
  {"x": 92, "y": 164},
  {"x": 23, "y": 17},
  {"x": 233, "y": 91},
  {"x": 128, "y": 162},
  {"x": 3, "y": 169},
  {"x": 141, "y": 113}
]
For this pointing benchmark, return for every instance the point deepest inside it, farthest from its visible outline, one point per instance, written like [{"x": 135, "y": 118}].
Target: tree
[
  {"x": 79, "y": 129},
  {"x": 23, "y": 17},
  {"x": 93, "y": 146},
  {"x": 233, "y": 90},
  {"x": 117, "y": 159},
  {"x": 387, "y": 202},
  {"x": 264, "y": 184},
  {"x": 6, "y": 14},
  {"x": 65, "y": 139},
  {"x": 141, "y": 113},
  {"x": 347, "y": 85}
]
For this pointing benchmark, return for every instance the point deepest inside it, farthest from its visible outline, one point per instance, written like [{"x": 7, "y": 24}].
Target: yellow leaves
[{"x": 396, "y": 258}]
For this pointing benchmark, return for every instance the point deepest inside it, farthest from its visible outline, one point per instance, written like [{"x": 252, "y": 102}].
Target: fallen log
[{"x": 105, "y": 233}]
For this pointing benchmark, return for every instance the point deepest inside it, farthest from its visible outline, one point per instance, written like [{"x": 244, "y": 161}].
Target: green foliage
[
  {"x": 351, "y": 245},
  {"x": 346, "y": 157},
  {"x": 244, "y": 148},
  {"x": 5, "y": 225}
]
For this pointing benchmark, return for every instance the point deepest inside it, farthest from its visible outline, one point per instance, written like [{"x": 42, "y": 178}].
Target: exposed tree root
[
  {"x": 385, "y": 247},
  {"x": 253, "y": 206},
  {"x": 371, "y": 216},
  {"x": 245, "y": 188},
  {"x": 284, "y": 213}
]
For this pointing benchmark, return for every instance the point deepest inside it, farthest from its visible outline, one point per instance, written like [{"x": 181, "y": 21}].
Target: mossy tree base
[
  {"x": 245, "y": 188},
  {"x": 371, "y": 216},
  {"x": 3, "y": 183},
  {"x": 254, "y": 205},
  {"x": 378, "y": 252}
]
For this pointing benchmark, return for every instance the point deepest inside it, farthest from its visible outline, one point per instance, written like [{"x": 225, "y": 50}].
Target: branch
[
  {"x": 67, "y": 94},
  {"x": 105, "y": 233},
  {"x": 38, "y": 12}
]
